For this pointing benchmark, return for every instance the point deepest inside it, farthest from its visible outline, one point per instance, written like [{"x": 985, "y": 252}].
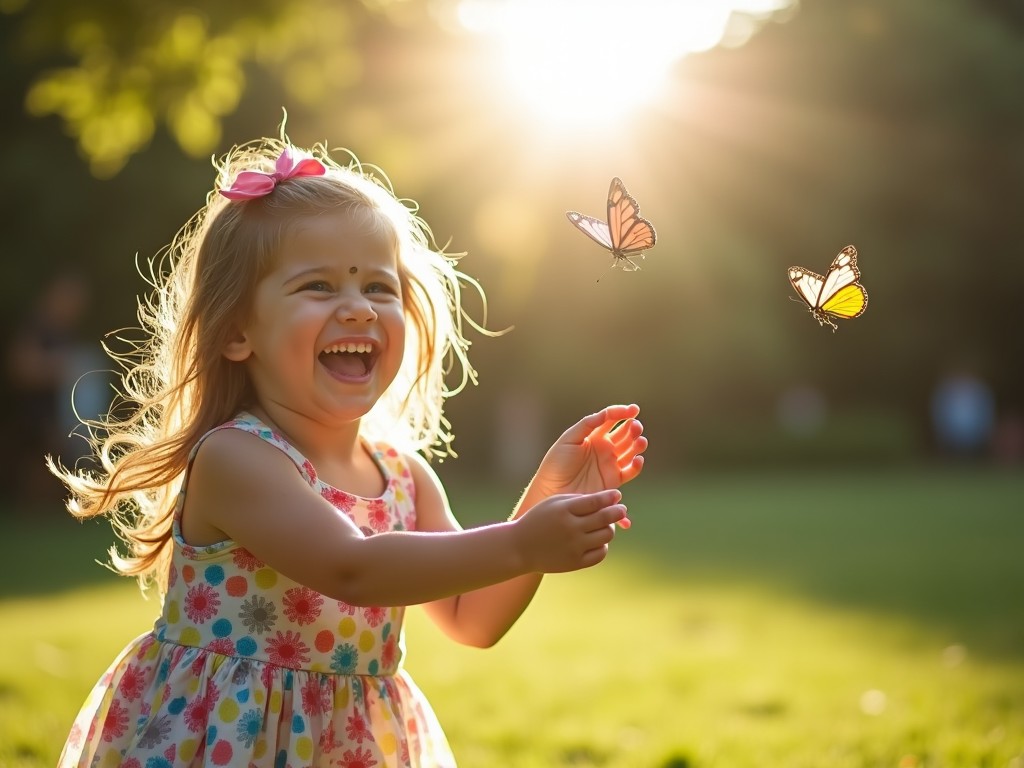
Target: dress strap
[
  {"x": 248, "y": 423},
  {"x": 396, "y": 467}
]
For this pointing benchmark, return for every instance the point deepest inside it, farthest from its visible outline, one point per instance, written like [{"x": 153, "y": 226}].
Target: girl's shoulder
[
  {"x": 231, "y": 451},
  {"x": 247, "y": 423},
  {"x": 234, "y": 470}
]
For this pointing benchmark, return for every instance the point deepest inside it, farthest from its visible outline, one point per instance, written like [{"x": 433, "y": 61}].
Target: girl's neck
[{"x": 323, "y": 444}]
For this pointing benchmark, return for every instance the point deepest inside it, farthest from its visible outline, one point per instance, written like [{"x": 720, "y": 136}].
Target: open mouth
[{"x": 351, "y": 360}]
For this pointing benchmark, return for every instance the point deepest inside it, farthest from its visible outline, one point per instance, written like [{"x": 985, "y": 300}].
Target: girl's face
[{"x": 326, "y": 332}]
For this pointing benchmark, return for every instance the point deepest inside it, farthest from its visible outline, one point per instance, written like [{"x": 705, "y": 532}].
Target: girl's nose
[{"x": 355, "y": 307}]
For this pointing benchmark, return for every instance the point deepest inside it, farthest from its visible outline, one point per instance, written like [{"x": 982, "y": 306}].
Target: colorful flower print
[
  {"x": 132, "y": 682},
  {"x": 357, "y": 758},
  {"x": 302, "y": 605},
  {"x": 156, "y": 731},
  {"x": 287, "y": 649},
  {"x": 245, "y": 560},
  {"x": 115, "y": 724},
  {"x": 389, "y": 653},
  {"x": 222, "y": 645},
  {"x": 249, "y": 725},
  {"x": 316, "y": 696},
  {"x": 258, "y": 614},
  {"x": 356, "y": 729},
  {"x": 242, "y": 652},
  {"x": 379, "y": 515},
  {"x": 345, "y": 659},
  {"x": 201, "y": 603},
  {"x": 338, "y": 498}
]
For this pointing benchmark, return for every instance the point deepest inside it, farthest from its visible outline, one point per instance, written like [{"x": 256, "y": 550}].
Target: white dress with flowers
[{"x": 246, "y": 667}]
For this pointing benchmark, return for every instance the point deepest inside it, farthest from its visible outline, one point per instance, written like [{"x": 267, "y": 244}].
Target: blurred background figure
[
  {"x": 1008, "y": 441},
  {"x": 44, "y": 359},
  {"x": 963, "y": 414},
  {"x": 802, "y": 410}
]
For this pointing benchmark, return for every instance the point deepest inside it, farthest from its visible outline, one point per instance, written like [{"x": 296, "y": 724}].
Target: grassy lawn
[{"x": 745, "y": 620}]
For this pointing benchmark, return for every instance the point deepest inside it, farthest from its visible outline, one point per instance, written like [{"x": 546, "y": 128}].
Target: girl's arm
[
  {"x": 244, "y": 489},
  {"x": 599, "y": 452},
  {"x": 482, "y": 617}
]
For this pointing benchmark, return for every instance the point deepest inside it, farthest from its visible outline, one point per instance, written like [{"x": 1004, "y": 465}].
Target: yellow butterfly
[{"x": 837, "y": 294}]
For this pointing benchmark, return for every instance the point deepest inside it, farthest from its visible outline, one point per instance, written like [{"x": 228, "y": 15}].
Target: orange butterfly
[{"x": 625, "y": 234}]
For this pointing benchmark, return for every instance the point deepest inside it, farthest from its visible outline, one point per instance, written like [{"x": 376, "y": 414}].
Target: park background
[{"x": 818, "y": 573}]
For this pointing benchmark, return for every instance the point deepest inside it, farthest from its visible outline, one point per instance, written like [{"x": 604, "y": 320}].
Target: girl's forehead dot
[{"x": 353, "y": 270}]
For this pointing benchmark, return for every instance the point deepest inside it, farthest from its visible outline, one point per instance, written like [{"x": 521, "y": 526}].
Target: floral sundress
[{"x": 246, "y": 667}]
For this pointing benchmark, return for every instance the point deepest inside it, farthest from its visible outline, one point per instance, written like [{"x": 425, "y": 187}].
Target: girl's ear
[{"x": 237, "y": 349}]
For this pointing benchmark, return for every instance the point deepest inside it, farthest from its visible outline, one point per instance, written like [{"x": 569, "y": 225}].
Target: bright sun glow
[{"x": 579, "y": 62}]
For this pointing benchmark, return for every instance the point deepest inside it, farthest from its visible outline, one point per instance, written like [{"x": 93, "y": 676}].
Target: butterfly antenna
[{"x": 610, "y": 268}]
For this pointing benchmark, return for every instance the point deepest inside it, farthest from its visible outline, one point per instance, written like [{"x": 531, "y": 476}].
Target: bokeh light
[{"x": 574, "y": 64}]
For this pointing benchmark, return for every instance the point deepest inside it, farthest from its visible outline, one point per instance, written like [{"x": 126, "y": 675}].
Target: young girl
[{"x": 267, "y": 479}]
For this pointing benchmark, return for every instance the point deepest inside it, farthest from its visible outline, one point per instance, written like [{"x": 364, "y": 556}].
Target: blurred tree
[
  {"x": 114, "y": 70},
  {"x": 1011, "y": 11},
  {"x": 893, "y": 126}
]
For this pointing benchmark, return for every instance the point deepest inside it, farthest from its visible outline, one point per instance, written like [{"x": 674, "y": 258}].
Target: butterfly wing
[
  {"x": 849, "y": 301},
  {"x": 595, "y": 229},
  {"x": 625, "y": 233},
  {"x": 837, "y": 294},
  {"x": 630, "y": 233},
  {"x": 843, "y": 272},
  {"x": 807, "y": 285}
]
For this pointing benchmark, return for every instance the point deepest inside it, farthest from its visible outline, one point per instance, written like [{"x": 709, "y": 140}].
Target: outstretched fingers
[
  {"x": 627, "y": 449},
  {"x": 625, "y": 432},
  {"x": 627, "y": 440},
  {"x": 628, "y": 443},
  {"x": 631, "y": 468},
  {"x": 599, "y": 424}
]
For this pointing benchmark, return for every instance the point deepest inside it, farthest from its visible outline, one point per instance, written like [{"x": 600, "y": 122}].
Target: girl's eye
[
  {"x": 317, "y": 285},
  {"x": 379, "y": 288}
]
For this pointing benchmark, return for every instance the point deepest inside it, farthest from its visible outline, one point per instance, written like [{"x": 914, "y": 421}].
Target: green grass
[{"x": 758, "y": 620}]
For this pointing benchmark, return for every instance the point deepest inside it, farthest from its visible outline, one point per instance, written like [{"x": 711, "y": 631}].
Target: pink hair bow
[{"x": 290, "y": 163}]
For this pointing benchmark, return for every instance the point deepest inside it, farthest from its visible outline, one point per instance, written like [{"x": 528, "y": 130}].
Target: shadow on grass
[
  {"x": 938, "y": 547},
  {"x": 46, "y": 551}
]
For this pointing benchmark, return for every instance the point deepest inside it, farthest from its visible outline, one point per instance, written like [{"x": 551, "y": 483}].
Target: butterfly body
[
  {"x": 836, "y": 295},
  {"x": 625, "y": 234}
]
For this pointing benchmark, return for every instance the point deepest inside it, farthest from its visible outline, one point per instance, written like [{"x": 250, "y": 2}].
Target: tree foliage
[
  {"x": 117, "y": 69},
  {"x": 893, "y": 126}
]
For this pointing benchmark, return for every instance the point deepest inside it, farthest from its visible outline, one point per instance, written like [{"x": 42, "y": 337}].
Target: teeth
[{"x": 350, "y": 347}]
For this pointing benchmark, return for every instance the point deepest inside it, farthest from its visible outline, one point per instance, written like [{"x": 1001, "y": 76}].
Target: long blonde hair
[{"x": 176, "y": 385}]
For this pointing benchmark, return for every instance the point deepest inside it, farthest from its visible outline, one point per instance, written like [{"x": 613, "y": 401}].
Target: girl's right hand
[{"x": 568, "y": 532}]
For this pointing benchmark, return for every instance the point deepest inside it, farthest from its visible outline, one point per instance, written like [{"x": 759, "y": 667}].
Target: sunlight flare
[{"x": 575, "y": 63}]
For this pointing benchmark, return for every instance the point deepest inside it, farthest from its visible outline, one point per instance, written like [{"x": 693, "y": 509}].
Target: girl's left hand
[{"x": 598, "y": 452}]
